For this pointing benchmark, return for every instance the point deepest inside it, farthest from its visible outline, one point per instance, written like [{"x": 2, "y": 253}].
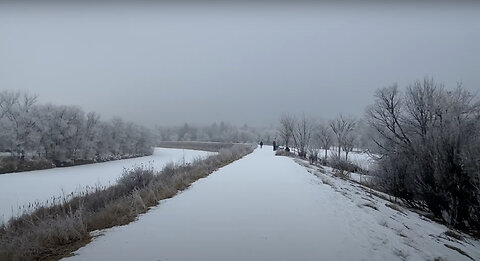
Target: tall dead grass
[{"x": 52, "y": 232}]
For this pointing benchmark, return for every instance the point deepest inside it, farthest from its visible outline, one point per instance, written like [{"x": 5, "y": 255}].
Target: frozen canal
[{"x": 20, "y": 189}]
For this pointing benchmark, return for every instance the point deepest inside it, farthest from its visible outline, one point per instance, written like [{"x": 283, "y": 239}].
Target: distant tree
[
  {"x": 286, "y": 129},
  {"x": 364, "y": 135},
  {"x": 224, "y": 132},
  {"x": 342, "y": 127},
  {"x": 62, "y": 132},
  {"x": 325, "y": 137},
  {"x": 18, "y": 108},
  {"x": 348, "y": 144},
  {"x": 183, "y": 131},
  {"x": 91, "y": 136},
  {"x": 302, "y": 135},
  {"x": 118, "y": 144},
  {"x": 75, "y": 133},
  {"x": 315, "y": 144}
]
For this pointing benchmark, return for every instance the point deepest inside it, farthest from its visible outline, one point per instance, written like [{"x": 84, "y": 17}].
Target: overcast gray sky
[{"x": 241, "y": 63}]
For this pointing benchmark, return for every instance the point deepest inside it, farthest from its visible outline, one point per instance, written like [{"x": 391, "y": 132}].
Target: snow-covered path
[
  {"x": 20, "y": 189},
  {"x": 265, "y": 207}
]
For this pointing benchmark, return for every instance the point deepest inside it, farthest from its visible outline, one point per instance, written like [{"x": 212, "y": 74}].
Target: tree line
[
  {"x": 64, "y": 135},
  {"x": 308, "y": 136},
  {"x": 426, "y": 141},
  {"x": 222, "y": 132}
]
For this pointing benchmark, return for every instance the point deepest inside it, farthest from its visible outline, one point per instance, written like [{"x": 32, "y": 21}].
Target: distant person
[
  {"x": 261, "y": 144},
  {"x": 274, "y": 145}
]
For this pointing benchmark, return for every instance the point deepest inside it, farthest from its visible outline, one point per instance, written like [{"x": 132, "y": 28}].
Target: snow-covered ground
[
  {"x": 17, "y": 190},
  {"x": 266, "y": 207}
]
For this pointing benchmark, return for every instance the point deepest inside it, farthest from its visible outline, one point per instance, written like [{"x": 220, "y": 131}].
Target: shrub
[
  {"x": 429, "y": 141},
  {"x": 341, "y": 164},
  {"x": 282, "y": 152}
]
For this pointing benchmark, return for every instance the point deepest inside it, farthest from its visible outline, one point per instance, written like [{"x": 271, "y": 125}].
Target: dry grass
[
  {"x": 455, "y": 235},
  {"x": 341, "y": 173},
  {"x": 370, "y": 205},
  {"x": 343, "y": 165},
  {"x": 459, "y": 251},
  {"x": 395, "y": 207},
  {"x": 50, "y": 233}
]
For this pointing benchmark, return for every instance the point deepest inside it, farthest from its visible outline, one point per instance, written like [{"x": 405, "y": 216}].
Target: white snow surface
[
  {"x": 17, "y": 190},
  {"x": 266, "y": 207}
]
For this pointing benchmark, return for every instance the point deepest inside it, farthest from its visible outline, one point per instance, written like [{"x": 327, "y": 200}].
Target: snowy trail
[
  {"x": 265, "y": 207},
  {"x": 20, "y": 189}
]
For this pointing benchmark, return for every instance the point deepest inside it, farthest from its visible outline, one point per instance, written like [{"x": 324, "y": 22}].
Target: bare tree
[
  {"x": 325, "y": 137},
  {"x": 386, "y": 116},
  {"x": 302, "y": 134},
  {"x": 342, "y": 127},
  {"x": 286, "y": 129},
  {"x": 348, "y": 144},
  {"x": 91, "y": 135},
  {"x": 7, "y": 100},
  {"x": 18, "y": 107}
]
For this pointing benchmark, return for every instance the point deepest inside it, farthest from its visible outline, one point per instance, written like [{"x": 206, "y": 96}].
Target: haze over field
[{"x": 199, "y": 63}]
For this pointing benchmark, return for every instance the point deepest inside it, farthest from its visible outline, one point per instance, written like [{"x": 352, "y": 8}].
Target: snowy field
[
  {"x": 266, "y": 207},
  {"x": 17, "y": 190},
  {"x": 361, "y": 159}
]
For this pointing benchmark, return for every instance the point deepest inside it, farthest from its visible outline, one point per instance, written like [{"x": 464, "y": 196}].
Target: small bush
[
  {"x": 136, "y": 178},
  {"x": 395, "y": 207},
  {"x": 282, "y": 152},
  {"x": 341, "y": 164},
  {"x": 454, "y": 234},
  {"x": 341, "y": 173},
  {"x": 327, "y": 181}
]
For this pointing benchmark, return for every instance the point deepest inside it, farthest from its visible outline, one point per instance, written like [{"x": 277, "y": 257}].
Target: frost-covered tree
[
  {"x": 64, "y": 134},
  {"x": 62, "y": 129},
  {"x": 325, "y": 138},
  {"x": 91, "y": 136},
  {"x": 19, "y": 125},
  {"x": 286, "y": 129},
  {"x": 429, "y": 145},
  {"x": 302, "y": 135},
  {"x": 348, "y": 143},
  {"x": 342, "y": 128},
  {"x": 222, "y": 132}
]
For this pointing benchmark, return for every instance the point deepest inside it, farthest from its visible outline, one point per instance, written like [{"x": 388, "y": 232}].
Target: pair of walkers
[{"x": 274, "y": 145}]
